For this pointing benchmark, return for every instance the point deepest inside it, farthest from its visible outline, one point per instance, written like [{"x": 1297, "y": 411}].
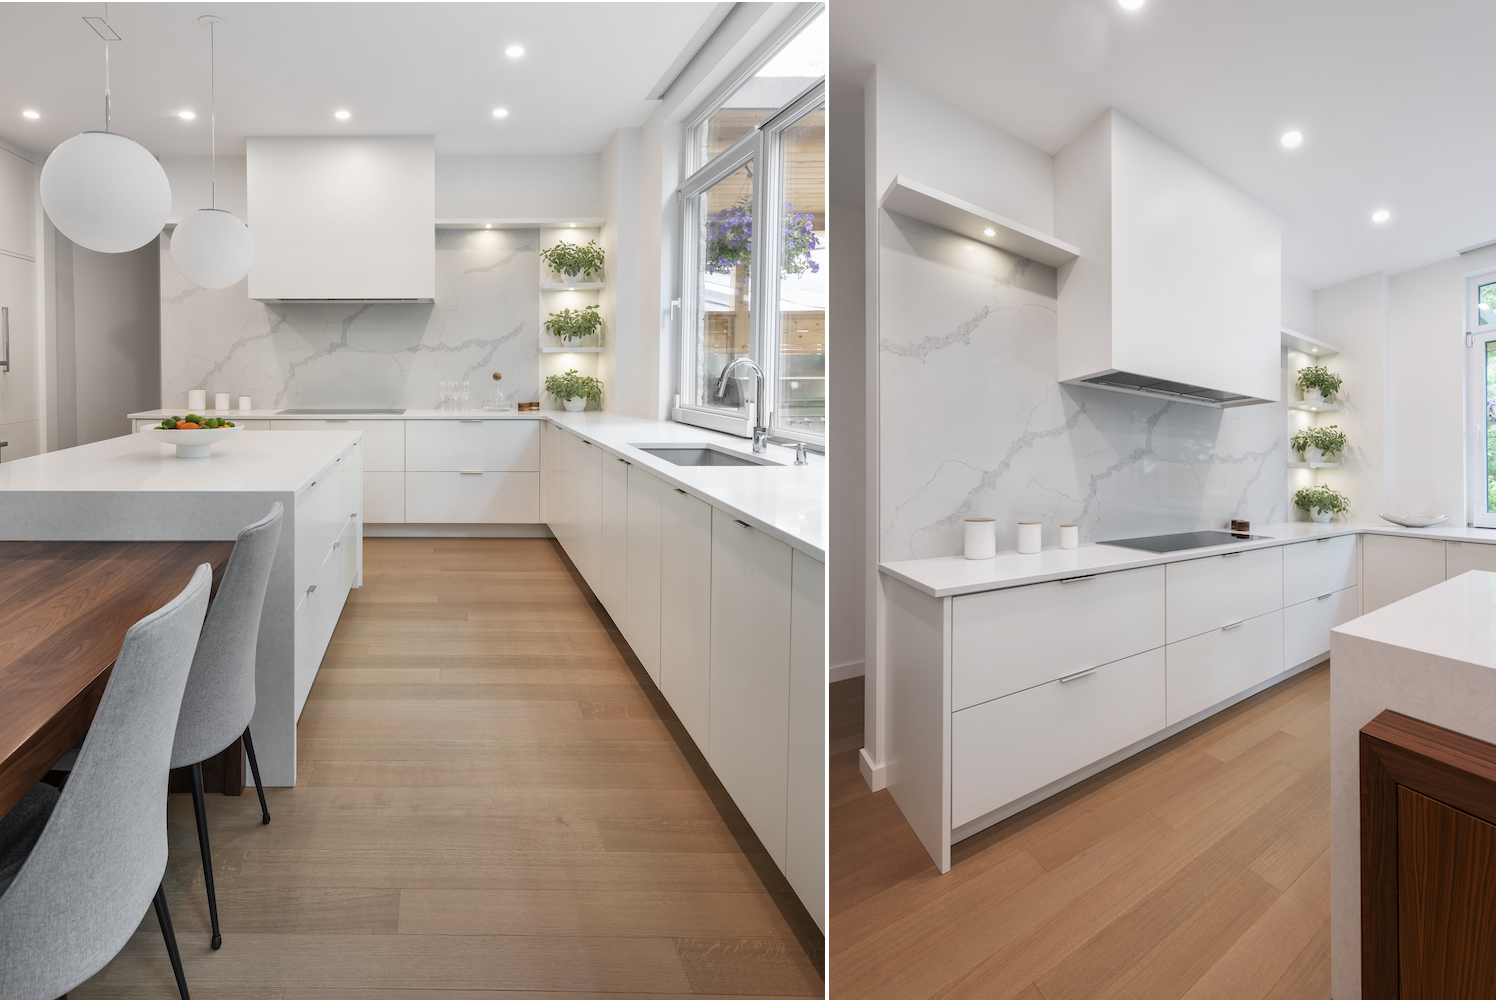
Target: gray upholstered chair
[{"x": 98, "y": 860}]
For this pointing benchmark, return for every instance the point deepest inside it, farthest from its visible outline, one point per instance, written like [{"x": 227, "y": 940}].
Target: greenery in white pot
[
  {"x": 1318, "y": 384},
  {"x": 574, "y": 260},
  {"x": 575, "y": 324},
  {"x": 1318, "y": 444},
  {"x": 574, "y": 390},
  {"x": 1320, "y": 502}
]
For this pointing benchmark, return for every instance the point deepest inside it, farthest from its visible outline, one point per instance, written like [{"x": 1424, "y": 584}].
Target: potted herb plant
[
  {"x": 574, "y": 261},
  {"x": 574, "y": 390},
  {"x": 575, "y": 324},
  {"x": 1320, "y": 502},
  {"x": 1319, "y": 444},
  {"x": 1317, "y": 384}
]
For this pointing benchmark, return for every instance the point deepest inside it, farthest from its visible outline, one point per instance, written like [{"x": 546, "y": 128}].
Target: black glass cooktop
[{"x": 1183, "y": 540}]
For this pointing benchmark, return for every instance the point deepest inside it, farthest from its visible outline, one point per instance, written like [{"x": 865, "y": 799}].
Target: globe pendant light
[
  {"x": 211, "y": 248},
  {"x": 101, "y": 190}
]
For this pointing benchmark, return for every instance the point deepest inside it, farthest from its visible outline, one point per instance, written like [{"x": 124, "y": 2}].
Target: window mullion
[{"x": 764, "y": 288}]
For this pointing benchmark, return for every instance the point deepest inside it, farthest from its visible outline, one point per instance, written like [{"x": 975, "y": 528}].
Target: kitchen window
[
  {"x": 761, "y": 148},
  {"x": 1481, "y": 397}
]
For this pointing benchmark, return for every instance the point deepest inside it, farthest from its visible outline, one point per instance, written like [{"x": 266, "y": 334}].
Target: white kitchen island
[{"x": 134, "y": 488}]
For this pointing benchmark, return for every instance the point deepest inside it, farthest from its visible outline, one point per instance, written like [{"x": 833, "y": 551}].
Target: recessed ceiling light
[
  {"x": 990, "y": 232},
  {"x": 488, "y": 225},
  {"x": 342, "y": 116},
  {"x": 1130, "y": 4},
  {"x": 1381, "y": 215},
  {"x": 186, "y": 116},
  {"x": 1291, "y": 138},
  {"x": 30, "y": 114},
  {"x": 572, "y": 224},
  {"x": 1314, "y": 350},
  {"x": 515, "y": 51},
  {"x": 969, "y": 246},
  {"x": 501, "y": 112}
]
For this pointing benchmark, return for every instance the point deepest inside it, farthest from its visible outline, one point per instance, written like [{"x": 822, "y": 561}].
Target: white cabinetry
[
  {"x": 806, "y": 803},
  {"x": 641, "y": 624},
  {"x": 1395, "y": 566},
  {"x": 17, "y": 205},
  {"x": 613, "y": 536},
  {"x": 1210, "y": 668},
  {"x": 1206, "y": 594},
  {"x": 20, "y": 400},
  {"x": 1308, "y": 624},
  {"x": 472, "y": 471},
  {"x": 750, "y": 695},
  {"x": 1463, "y": 557},
  {"x": 472, "y": 445},
  {"x": 1314, "y": 569},
  {"x": 328, "y": 559},
  {"x": 384, "y": 461},
  {"x": 686, "y": 609}
]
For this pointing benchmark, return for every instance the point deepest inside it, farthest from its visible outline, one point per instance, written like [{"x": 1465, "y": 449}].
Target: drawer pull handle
[
  {"x": 335, "y": 546},
  {"x": 682, "y": 492},
  {"x": 1228, "y": 555},
  {"x": 342, "y": 421},
  {"x": 620, "y": 460},
  {"x": 1079, "y": 674},
  {"x": 312, "y": 588},
  {"x": 1232, "y": 626},
  {"x": 1078, "y": 579},
  {"x": 1327, "y": 538},
  {"x": 470, "y": 421},
  {"x": 1324, "y": 596},
  {"x": 467, "y": 473},
  {"x": 744, "y": 523}
]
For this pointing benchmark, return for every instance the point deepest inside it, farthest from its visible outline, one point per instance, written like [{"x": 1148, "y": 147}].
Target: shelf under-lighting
[
  {"x": 1315, "y": 465},
  {"x": 571, "y": 350},
  {"x": 1300, "y": 404},
  {"x": 578, "y": 286},
  {"x": 918, "y": 201},
  {"x": 1306, "y": 345}
]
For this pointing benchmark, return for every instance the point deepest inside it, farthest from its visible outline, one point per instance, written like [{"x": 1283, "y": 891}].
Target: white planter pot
[
  {"x": 1314, "y": 396},
  {"x": 1320, "y": 516},
  {"x": 1313, "y": 454},
  {"x": 575, "y": 405}
]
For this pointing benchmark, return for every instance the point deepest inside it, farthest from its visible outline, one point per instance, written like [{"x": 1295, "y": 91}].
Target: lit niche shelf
[
  {"x": 1315, "y": 465},
  {"x": 1306, "y": 345},
  {"x": 1300, "y": 404},
  {"x": 918, "y": 201},
  {"x": 575, "y": 286},
  {"x": 571, "y": 350}
]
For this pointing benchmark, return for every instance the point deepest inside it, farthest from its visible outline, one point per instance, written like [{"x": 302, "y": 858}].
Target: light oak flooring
[
  {"x": 493, "y": 803},
  {"x": 1198, "y": 869}
]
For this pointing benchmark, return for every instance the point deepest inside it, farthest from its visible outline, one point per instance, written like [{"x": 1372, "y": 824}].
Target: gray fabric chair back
[
  {"x": 220, "y": 695},
  {"x": 97, "y": 865}
]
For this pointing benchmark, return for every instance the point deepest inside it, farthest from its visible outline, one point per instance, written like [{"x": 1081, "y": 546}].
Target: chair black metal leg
[
  {"x": 200, "y": 808},
  {"x": 164, "y": 918},
  {"x": 249, "y": 751}
]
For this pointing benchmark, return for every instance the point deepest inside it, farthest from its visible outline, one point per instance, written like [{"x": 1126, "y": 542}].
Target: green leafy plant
[
  {"x": 1321, "y": 498},
  {"x": 574, "y": 258},
  {"x": 574, "y": 324},
  {"x": 574, "y": 386},
  {"x": 1317, "y": 377},
  {"x": 1303, "y": 438},
  {"x": 1329, "y": 440}
]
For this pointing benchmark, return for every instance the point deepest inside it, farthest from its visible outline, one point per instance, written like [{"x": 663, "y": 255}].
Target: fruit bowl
[
  {"x": 1416, "y": 520},
  {"x": 193, "y": 443}
]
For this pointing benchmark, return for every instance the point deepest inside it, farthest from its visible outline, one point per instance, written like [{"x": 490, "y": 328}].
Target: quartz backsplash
[
  {"x": 358, "y": 354},
  {"x": 973, "y": 422}
]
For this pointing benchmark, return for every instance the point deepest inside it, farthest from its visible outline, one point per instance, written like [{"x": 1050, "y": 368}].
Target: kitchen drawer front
[
  {"x": 1210, "y": 668},
  {"x": 384, "y": 497},
  {"x": 1307, "y": 625},
  {"x": 318, "y": 522},
  {"x": 1004, "y": 641},
  {"x": 1398, "y": 566},
  {"x": 1009, "y": 747},
  {"x": 1205, "y": 594},
  {"x": 1463, "y": 557},
  {"x": 472, "y": 498},
  {"x": 1323, "y": 566},
  {"x": 384, "y": 440},
  {"x": 473, "y": 446}
]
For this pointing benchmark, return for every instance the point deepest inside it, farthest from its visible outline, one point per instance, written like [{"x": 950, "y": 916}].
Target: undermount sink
[
  {"x": 700, "y": 454},
  {"x": 346, "y": 409}
]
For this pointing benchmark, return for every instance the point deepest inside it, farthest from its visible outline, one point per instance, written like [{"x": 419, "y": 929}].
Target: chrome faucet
[{"x": 761, "y": 432}]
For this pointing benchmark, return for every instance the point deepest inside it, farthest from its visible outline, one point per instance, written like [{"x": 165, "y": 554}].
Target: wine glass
[{"x": 463, "y": 392}]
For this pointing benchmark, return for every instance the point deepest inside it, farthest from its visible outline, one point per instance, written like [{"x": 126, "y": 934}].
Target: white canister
[
  {"x": 220, "y": 401},
  {"x": 197, "y": 399},
  {"x": 981, "y": 539},
  {"x": 1029, "y": 537},
  {"x": 1070, "y": 536},
  {"x": 244, "y": 403}
]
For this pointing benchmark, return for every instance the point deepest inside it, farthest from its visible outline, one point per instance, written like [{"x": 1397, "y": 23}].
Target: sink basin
[
  {"x": 346, "y": 409},
  {"x": 700, "y": 454}
]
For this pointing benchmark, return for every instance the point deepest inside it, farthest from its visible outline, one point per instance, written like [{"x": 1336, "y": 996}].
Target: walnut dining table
[{"x": 64, "y": 610}]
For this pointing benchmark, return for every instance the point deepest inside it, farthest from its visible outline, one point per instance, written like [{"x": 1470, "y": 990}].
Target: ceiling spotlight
[
  {"x": 30, "y": 114},
  {"x": 990, "y": 232},
  {"x": 186, "y": 116},
  {"x": 1291, "y": 138},
  {"x": 488, "y": 225},
  {"x": 572, "y": 224},
  {"x": 515, "y": 51},
  {"x": 1130, "y": 4},
  {"x": 1381, "y": 215},
  {"x": 1314, "y": 350},
  {"x": 501, "y": 112},
  {"x": 342, "y": 116}
]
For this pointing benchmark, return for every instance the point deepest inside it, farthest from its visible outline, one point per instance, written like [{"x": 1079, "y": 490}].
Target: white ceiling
[
  {"x": 1396, "y": 101},
  {"x": 398, "y": 68}
]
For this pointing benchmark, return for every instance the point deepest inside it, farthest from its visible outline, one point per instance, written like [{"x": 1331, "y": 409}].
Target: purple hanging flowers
[{"x": 730, "y": 240}]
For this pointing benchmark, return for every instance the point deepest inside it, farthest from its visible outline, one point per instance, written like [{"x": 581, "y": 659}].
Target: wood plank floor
[
  {"x": 1197, "y": 869},
  {"x": 492, "y": 802}
]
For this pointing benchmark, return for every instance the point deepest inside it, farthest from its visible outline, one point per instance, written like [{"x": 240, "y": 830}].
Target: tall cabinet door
[
  {"x": 19, "y": 404},
  {"x": 805, "y": 826},
  {"x": 17, "y": 205},
  {"x": 613, "y": 535},
  {"x": 589, "y": 510},
  {"x": 749, "y": 721},
  {"x": 686, "y": 609},
  {"x": 641, "y": 624}
]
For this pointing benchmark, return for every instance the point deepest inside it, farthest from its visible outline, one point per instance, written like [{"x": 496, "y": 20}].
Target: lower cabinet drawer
[
  {"x": 472, "y": 498},
  {"x": 384, "y": 497},
  {"x": 1210, "y": 668},
  {"x": 1463, "y": 557},
  {"x": 1005, "y": 749},
  {"x": 1307, "y": 625},
  {"x": 1207, "y": 593}
]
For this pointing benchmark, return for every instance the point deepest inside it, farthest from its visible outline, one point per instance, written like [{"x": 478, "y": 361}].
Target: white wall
[
  {"x": 1297, "y": 305},
  {"x": 847, "y": 562},
  {"x": 1353, "y": 317},
  {"x": 549, "y": 186},
  {"x": 629, "y": 384}
]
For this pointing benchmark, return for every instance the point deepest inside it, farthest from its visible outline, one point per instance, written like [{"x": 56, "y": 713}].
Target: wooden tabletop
[{"x": 64, "y": 610}]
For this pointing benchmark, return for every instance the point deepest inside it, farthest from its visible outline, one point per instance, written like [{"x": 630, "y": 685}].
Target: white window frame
[
  {"x": 762, "y": 147},
  {"x": 1477, "y": 338}
]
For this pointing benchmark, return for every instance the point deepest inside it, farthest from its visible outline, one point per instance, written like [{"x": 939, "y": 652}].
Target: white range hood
[
  {"x": 342, "y": 218},
  {"x": 1176, "y": 292}
]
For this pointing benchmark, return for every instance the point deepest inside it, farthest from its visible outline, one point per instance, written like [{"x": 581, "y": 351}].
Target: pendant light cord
[
  {"x": 106, "y": 67},
  {"x": 213, "y": 114}
]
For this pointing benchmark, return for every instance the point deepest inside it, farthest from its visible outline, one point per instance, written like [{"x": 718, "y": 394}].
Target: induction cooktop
[{"x": 1184, "y": 540}]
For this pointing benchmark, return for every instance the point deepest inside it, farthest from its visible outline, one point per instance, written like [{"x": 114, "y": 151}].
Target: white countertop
[
  {"x": 1456, "y": 620},
  {"x": 787, "y": 501},
  {"x": 947, "y": 576},
  {"x": 248, "y": 462}
]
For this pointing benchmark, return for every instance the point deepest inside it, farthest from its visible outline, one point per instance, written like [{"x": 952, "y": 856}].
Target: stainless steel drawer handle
[
  {"x": 1079, "y": 674},
  {"x": 682, "y": 492},
  {"x": 1232, "y": 626},
  {"x": 1327, "y": 538},
  {"x": 1078, "y": 579},
  {"x": 467, "y": 473},
  {"x": 1324, "y": 596},
  {"x": 340, "y": 420},
  {"x": 1228, "y": 555},
  {"x": 620, "y": 460},
  {"x": 5, "y": 336},
  {"x": 312, "y": 588},
  {"x": 335, "y": 546},
  {"x": 470, "y": 421},
  {"x": 744, "y": 523}
]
